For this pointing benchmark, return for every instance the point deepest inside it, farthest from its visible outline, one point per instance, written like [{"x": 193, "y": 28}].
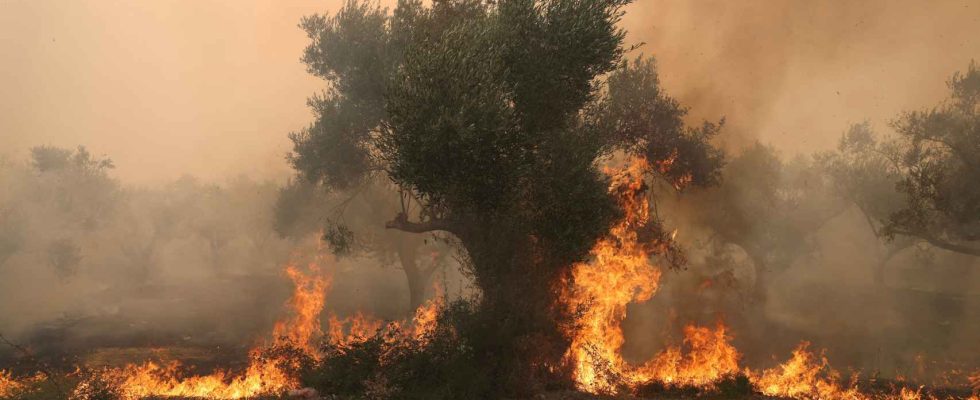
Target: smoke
[
  {"x": 796, "y": 74},
  {"x": 210, "y": 89},
  {"x": 89, "y": 263}
]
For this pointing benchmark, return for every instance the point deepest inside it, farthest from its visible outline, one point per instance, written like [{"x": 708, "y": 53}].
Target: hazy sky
[{"x": 212, "y": 87}]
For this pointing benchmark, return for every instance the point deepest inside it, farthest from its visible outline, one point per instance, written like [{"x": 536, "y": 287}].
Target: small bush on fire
[{"x": 442, "y": 364}]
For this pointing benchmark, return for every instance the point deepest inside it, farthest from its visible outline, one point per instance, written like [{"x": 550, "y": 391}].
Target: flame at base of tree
[{"x": 620, "y": 272}]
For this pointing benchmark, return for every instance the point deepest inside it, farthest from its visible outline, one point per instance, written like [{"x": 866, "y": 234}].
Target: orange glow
[
  {"x": 802, "y": 377},
  {"x": 425, "y": 320},
  {"x": 708, "y": 359},
  {"x": 151, "y": 379},
  {"x": 353, "y": 329},
  {"x": 9, "y": 385},
  {"x": 619, "y": 273},
  {"x": 306, "y": 304},
  {"x": 263, "y": 375}
]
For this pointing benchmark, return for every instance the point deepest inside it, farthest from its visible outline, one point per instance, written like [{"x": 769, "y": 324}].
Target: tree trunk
[
  {"x": 418, "y": 279},
  {"x": 520, "y": 315},
  {"x": 517, "y": 327}
]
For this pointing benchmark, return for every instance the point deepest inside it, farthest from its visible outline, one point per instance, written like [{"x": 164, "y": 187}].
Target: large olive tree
[{"x": 492, "y": 119}]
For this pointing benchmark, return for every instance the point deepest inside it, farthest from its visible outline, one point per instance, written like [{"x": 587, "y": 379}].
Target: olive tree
[{"x": 492, "y": 119}]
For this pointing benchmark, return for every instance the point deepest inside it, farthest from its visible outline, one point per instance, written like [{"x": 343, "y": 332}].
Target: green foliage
[
  {"x": 339, "y": 237},
  {"x": 51, "y": 159},
  {"x": 298, "y": 209},
  {"x": 643, "y": 120},
  {"x": 78, "y": 182},
  {"x": 863, "y": 173}
]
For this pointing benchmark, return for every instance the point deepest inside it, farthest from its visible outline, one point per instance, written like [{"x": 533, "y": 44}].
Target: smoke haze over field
[
  {"x": 193, "y": 101},
  {"x": 210, "y": 88}
]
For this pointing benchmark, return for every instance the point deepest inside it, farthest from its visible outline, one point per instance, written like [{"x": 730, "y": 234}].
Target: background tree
[
  {"x": 863, "y": 175},
  {"x": 78, "y": 182},
  {"x": 303, "y": 209},
  {"x": 768, "y": 207},
  {"x": 918, "y": 184},
  {"x": 11, "y": 234},
  {"x": 491, "y": 119}
]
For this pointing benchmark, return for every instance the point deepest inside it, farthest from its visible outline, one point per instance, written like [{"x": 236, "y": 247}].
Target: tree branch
[
  {"x": 942, "y": 244},
  {"x": 402, "y": 223}
]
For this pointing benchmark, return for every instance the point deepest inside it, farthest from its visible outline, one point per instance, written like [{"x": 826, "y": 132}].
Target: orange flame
[
  {"x": 151, "y": 379},
  {"x": 353, "y": 329},
  {"x": 709, "y": 358},
  {"x": 808, "y": 376},
  {"x": 263, "y": 375},
  {"x": 9, "y": 385},
  {"x": 618, "y": 274},
  {"x": 307, "y": 302},
  {"x": 426, "y": 316},
  {"x": 975, "y": 381},
  {"x": 801, "y": 377}
]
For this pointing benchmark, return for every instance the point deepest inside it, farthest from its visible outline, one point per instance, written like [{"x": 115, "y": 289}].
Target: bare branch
[{"x": 402, "y": 223}]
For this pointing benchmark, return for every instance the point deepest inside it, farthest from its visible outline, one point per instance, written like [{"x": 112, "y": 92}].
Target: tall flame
[
  {"x": 306, "y": 303},
  {"x": 425, "y": 321},
  {"x": 618, "y": 273}
]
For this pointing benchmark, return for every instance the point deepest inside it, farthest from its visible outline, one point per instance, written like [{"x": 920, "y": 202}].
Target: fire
[
  {"x": 360, "y": 326},
  {"x": 307, "y": 303},
  {"x": 9, "y": 385},
  {"x": 151, "y": 379},
  {"x": 618, "y": 274},
  {"x": 802, "y": 377},
  {"x": 263, "y": 376},
  {"x": 425, "y": 322},
  {"x": 710, "y": 358},
  {"x": 356, "y": 328}
]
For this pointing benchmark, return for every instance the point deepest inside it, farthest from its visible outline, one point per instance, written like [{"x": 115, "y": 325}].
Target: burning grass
[{"x": 433, "y": 356}]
